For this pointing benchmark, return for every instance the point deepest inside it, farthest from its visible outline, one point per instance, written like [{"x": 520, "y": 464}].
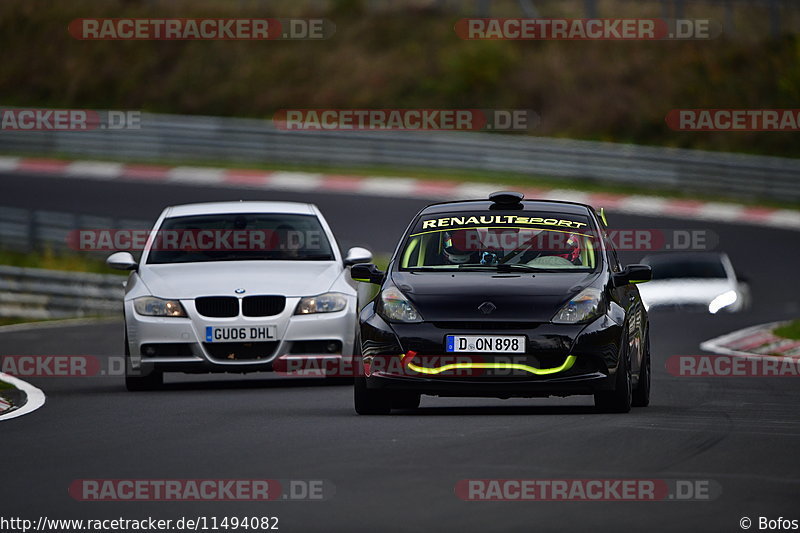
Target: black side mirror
[
  {"x": 368, "y": 273},
  {"x": 633, "y": 274}
]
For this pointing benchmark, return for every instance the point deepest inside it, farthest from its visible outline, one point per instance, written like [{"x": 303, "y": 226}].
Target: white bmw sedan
[{"x": 236, "y": 287}]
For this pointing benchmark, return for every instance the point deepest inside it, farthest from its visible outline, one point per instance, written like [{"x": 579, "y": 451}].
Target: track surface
[{"x": 398, "y": 473}]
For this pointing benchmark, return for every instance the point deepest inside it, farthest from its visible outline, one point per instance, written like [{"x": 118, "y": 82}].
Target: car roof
[
  {"x": 215, "y": 208},
  {"x": 551, "y": 206}
]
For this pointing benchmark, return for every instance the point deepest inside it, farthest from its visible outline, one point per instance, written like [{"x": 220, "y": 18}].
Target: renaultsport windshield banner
[{"x": 520, "y": 221}]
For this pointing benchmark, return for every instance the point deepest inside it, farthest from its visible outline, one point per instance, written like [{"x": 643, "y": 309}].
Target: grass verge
[
  {"x": 48, "y": 259},
  {"x": 789, "y": 331}
]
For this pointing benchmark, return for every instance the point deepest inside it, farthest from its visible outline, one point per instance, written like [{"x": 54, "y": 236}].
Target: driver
[{"x": 462, "y": 246}]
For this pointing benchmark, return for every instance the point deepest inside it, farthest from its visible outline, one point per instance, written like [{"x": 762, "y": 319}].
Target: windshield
[
  {"x": 501, "y": 240},
  {"x": 239, "y": 237}
]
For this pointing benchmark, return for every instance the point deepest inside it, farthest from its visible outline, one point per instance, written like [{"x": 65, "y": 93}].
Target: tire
[
  {"x": 144, "y": 379},
  {"x": 641, "y": 394},
  {"x": 370, "y": 401},
  {"x": 405, "y": 400},
  {"x": 619, "y": 400}
]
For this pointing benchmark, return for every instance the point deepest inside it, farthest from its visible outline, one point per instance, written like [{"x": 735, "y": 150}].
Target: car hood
[
  {"x": 289, "y": 278},
  {"x": 682, "y": 291},
  {"x": 456, "y": 296}
]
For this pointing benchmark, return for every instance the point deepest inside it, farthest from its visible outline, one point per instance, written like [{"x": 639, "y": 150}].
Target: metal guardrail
[
  {"x": 201, "y": 138},
  {"x": 42, "y": 294},
  {"x": 38, "y": 293},
  {"x": 28, "y": 230}
]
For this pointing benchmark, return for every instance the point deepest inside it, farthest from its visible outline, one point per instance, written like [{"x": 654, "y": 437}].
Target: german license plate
[
  {"x": 485, "y": 343},
  {"x": 240, "y": 333}
]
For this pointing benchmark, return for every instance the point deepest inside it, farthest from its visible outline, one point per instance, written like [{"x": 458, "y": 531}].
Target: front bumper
[
  {"x": 559, "y": 360},
  {"x": 179, "y": 344}
]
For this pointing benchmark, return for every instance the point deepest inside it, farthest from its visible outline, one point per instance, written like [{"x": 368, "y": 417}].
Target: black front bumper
[{"x": 574, "y": 359}]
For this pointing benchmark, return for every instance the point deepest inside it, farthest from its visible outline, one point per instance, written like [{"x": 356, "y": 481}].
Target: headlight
[
  {"x": 585, "y": 306},
  {"x": 396, "y": 307},
  {"x": 723, "y": 300},
  {"x": 151, "y": 306},
  {"x": 329, "y": 302}
]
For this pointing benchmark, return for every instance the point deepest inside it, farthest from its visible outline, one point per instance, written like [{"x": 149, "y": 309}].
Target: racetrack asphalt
[{"x": 398, "y": 473}]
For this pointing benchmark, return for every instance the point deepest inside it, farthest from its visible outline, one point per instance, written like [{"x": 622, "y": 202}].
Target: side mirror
[
  {"x": 368, "y": 273},
  {"x": 357, "y": 255},
  {"x": 633, "y": 274},
  {"x": 122, "y": 261}
]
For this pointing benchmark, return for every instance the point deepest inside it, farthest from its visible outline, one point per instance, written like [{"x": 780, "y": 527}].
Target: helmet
[
  {"x": 572, "y": 249},
  {"x": 461, "y": 246}
]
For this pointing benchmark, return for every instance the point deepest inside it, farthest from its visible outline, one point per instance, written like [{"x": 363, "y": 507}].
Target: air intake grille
[
  {"x": 263, "y": 305},
  {"x": 217, "y": 306}
]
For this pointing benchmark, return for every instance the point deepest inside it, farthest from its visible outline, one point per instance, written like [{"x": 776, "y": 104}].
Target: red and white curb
[
  {"x": 756, "y": 341},
  {"x": 396, "y": 188},
  {"x": 35, "y": 398}
]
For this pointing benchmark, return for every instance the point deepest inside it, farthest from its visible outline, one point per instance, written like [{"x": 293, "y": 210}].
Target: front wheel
[
  {"x": 619, "y": 400},
  {"x": 370, "y": 401}
]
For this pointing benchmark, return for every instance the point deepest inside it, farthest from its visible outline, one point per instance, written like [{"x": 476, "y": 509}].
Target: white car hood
[
  {"x": 683, "y": 291},
  {"x": 221, "y": 278}
]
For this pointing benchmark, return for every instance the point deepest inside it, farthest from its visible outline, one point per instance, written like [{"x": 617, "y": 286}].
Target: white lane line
[
  {"x": 294, "y": 181},
  {"x": 198, "y": 175},
  {"x": 721, "y": 211},
  {"x": 567, "y": 195},
  {"x": 642, "y": 205},
  {"x": 9, "y": 163},
  {"x": 35, "y": 396},
  {"x": 94, "y": 169},
  {"x": 392, "y": 187}
]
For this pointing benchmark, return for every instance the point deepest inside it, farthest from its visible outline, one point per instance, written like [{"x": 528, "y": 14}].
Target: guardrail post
[
  {"x": 528, "y": 9},
  {"x": 774, "y": 19},
  {"x": 680, "y": 10},
  {"x": 591, "y": 8},
  {"x": 730, "y": 23}
]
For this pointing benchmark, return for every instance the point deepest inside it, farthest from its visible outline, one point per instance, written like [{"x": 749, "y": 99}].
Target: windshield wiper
[{"x": 501, "y": 267}]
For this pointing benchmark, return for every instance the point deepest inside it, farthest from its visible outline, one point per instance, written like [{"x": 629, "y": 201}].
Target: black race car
[{"x": 504, "y": 297}]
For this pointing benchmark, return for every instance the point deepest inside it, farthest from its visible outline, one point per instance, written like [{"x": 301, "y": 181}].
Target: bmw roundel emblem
[{"x": 239, "y": 291}]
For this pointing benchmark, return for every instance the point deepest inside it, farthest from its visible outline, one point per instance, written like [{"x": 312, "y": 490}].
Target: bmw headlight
[
  {"x": 330, "y": 302},
  {"x": 722, "y": 301},
  {"x": 152, "y": 306},
  {"x": 585, "y": 306},
  {"x": 396, "y": 307}
]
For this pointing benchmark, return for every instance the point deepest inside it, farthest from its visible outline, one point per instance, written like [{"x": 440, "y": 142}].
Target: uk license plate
[
  {"x": 240, "y": 333},
  {"x": 485, "y": 343}
]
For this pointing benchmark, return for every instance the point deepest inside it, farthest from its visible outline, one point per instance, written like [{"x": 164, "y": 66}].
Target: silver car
[
  {"x": 236, "y": 287},
  {"x": 694, "y": 281}
]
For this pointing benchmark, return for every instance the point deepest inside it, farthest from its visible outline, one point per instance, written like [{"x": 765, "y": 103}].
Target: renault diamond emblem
[
  {"x": 239, "y": 291},
  {"x": 486, "y": 307}
]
